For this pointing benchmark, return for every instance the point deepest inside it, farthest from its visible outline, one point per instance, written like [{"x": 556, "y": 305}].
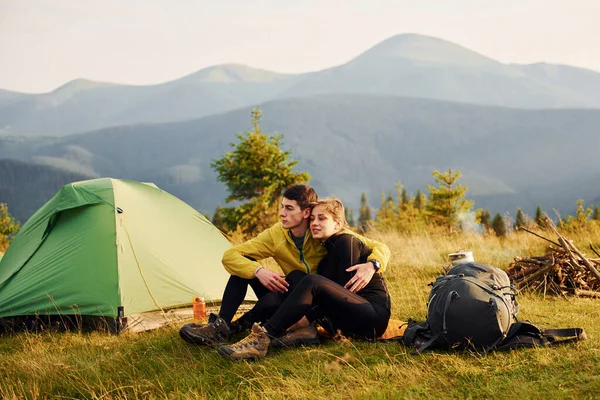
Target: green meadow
[{"x": 160, "y": 365}]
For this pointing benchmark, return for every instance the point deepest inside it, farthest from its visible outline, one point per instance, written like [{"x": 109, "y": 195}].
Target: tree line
[{"x": 257, "y": 170}]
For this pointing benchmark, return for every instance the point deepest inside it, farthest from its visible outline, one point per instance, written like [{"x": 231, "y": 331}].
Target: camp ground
[{"x": 111, "y": 250}]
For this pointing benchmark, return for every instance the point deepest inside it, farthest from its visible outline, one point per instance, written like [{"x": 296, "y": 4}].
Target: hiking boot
[
  {"x": 214, "y": 332},
  {"x": 253, "y": 346},
  {"x": 304, "y": 336}
]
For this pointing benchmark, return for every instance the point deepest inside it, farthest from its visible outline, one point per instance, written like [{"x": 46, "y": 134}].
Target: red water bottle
[{"x": 199, "y": 306}]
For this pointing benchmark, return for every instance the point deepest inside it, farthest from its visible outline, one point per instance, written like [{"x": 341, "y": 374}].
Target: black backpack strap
[
  {"x": 418, "y": 335},
  {"x": 413, "y": 331},
  {"x": 566, "y": 335},
  {"x": 525, "y": 334},
  {"x": 428, "y": 344}
]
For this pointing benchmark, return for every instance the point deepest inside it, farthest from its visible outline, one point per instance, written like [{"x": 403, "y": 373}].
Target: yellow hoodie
[{"x": 276, "y": 242}]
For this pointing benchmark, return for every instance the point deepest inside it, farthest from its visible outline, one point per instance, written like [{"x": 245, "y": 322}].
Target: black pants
[
  {"x": 268, "y": 302},
  {"x": 347, "y": 311}
]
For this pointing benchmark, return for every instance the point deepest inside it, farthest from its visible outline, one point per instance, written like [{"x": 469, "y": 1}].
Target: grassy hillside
[
  {"x": 404, "y": 65},
  {"x": 353, "y": 143},
  {"x": 160, "y": 365}
]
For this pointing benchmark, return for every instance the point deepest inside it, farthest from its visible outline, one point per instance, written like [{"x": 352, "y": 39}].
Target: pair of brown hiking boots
[
  {"x": 255, "y": 345},
  {"x": 259, "y": 341}
]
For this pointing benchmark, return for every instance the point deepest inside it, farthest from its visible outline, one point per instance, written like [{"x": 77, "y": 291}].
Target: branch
[
  {"x": 568, "y": 244},
  {"x": 594, "y": 250},
  {"x": 540, "y": 236}
]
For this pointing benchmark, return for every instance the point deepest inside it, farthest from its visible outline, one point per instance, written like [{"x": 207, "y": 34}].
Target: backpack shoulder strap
[
  {"x": 418, "y": 335},
  {"x": 525, "y": 334},
  {"x": 566, "y": 335}
]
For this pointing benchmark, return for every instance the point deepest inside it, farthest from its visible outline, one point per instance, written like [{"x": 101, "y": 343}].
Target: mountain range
[
  {"x": 353, "y": 143},
  {"x": 405, "y": 65},
  {"x": 522, "y": 135}
]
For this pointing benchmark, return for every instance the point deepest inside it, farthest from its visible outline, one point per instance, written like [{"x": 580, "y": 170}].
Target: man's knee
[
  {"x": 239, "y": 280},
  {"x": 312, "y": 280},
  {"x": 294, "y": 278}
]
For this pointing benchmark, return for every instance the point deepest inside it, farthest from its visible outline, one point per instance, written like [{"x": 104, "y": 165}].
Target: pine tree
[
  {"x": 404, "y": 198},
  {"x": 499, "y": 226},
  {"x": 350, "y": 217},
  {"x": 581, "y": 218},
  {"x": 387, "y": 214},
  {"x": 447, "y": 201},
  {"x": 419, "y": 202},
  {"x": 364, "y": 213},
  {"x": 217, "y": 219},
  {"x": 582, "y": 214},
  {"x": 539, "y": 217},
  {"x": 8, "y": 227},
  {"x": 485, "y": 219},
  {"x": 255, "y": 172},
  {"x": 519, "y": 219}
]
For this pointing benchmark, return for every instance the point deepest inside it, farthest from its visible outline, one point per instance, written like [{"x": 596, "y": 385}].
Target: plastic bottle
[{"x": 199, "y": 306}]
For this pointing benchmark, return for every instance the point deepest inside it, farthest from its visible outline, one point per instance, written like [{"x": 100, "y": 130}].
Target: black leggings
[
  {"x": 347, "y": 311},
  {"x": 268, "y": 302}
]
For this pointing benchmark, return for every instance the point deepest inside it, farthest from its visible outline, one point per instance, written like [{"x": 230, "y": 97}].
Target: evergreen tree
[
  {"x": 217, "y": 219},
  {"x": 419, "y": 202},
  {"x": 447, "y": 201},
  {"x": 364, "y": 213},
  {"x": 350, "y": 217},
  {"x": 582, "y": 214},
  {"x": 389, "y": 198},
  {"x": 596, "y": 214},
  {"x": 581, "y": 218},
  {"x": 485, "y": 219},
  {"x": 256, "y": 172},
  {"x": 8, "y": 227},
  {"x": 539, "y": 217},
  {"x": 404, "y": 198},
  {"x": 499, "y": 226},
  {"x": 519, "y": 219},
  {"x": 386, "y": 215},
  {"x": 381, "y": 215}
]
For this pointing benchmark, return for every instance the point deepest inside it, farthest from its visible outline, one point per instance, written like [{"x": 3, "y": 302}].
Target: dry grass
[{"x": 159, "y": 365}]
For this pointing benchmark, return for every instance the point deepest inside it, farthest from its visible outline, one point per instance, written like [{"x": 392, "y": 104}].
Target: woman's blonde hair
[{"x": 335, "y": 207}]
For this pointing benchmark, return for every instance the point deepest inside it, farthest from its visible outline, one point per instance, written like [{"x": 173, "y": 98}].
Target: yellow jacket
[{"x": 276, "y": 242}]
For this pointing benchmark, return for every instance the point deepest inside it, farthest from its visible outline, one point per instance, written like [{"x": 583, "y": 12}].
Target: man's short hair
[{"x": 303, "y": 194}]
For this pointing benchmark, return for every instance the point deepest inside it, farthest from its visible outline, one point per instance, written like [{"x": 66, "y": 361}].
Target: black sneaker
[
  {"x": 306, "y": 336},
  {"x": 214, "y": 332}
]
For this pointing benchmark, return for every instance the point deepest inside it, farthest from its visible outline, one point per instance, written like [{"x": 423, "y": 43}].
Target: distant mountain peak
[
  {"x": 425, "y": 49},
  {"x": 77, "y": 85},
  {"x": 233, "y": 73}
]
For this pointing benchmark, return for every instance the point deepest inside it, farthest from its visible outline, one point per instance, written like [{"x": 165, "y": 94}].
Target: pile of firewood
[{"x": 564, "y": 270}]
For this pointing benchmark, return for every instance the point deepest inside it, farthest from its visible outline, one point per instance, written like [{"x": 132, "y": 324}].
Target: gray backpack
[{"x": 474, "y": 306}]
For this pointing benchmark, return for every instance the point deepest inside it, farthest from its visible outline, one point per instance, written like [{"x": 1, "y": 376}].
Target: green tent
[{"x": 111, "y": 248}]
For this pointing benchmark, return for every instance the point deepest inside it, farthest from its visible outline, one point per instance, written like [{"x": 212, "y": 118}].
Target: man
[{"x": 292, "y": 246}]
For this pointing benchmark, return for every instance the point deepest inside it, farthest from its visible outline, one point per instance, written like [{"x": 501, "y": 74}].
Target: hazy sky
[{"x": 46, "y": 43}]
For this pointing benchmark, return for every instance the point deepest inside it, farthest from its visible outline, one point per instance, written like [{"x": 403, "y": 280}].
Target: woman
[{"x": 364, "y": 314}]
